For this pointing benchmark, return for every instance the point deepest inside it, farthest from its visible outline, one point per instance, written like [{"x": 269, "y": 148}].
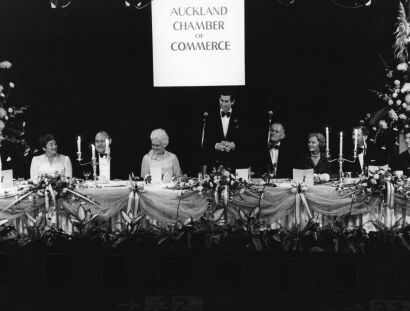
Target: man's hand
[
  {"x": 219, "y": 146},
  {"x": 5, "y": 65}
]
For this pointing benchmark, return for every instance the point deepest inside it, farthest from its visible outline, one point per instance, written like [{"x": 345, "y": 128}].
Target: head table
[{"x": 279, "y": 206}]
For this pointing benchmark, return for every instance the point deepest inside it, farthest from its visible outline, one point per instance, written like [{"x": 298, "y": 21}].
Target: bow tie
[
  {"x": 360, "y": 150},
  {"x": 272, "y": 146},
  {"x": 225, "y": 114}
]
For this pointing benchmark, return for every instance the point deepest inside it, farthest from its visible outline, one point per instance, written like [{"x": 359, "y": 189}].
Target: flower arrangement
[
  {"x": 12, "y": 124},
  {"x": 396, "y": 93}
]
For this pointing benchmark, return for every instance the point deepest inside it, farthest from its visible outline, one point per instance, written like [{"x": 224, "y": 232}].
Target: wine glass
[{"x": 86, "y": 174}]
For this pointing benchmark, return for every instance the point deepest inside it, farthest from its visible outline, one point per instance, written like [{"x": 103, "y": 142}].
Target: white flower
[
  {"x": 391, "y": 101},
  {"x": 402, "y": 67},
  {"x": 404, "y": 105},
  {"x": 10, "y": 110},
  {"x": 6, "y": 118},
  {"x": 392, "y": 114},
  {"x": 406, "y": 87},
  {"x": 2, "y": 95},
  {"x": 226, "y": 173},
  {"x": 2, "y": 125},
  {"x": 12, "y": 85},
  {"x": 383, "y": 124},
  {"x": 396, "y": 82},
  {"x": 398, "y": 102},
  {"x": 373, "y": 181},
  {"x": 402, "y": 116},
  {"x": 3, "y": 112},
  {"x": 394, "y": 95}
]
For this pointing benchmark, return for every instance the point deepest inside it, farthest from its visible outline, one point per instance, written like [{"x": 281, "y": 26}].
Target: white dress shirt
[
  {"x": 105, "y": 168},
  {"x": 361, "y": 156},
  {"x": 274, "y": 154},
  {"x": 225, "y": 122}
]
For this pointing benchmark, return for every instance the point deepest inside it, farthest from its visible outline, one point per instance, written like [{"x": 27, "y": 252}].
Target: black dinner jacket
[
  {"x": 370, "y": 158},
  {"x": 284, "y": 165},
  {"x": 214, "y": 134},
  {"x": 401, "y": 163}
]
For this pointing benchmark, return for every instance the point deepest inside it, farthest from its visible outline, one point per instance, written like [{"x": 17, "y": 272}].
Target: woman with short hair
[
  {"x": 50, "y": 163},
  {"x": 160, "y": 158},
  {"x": 316, "y": 158}
]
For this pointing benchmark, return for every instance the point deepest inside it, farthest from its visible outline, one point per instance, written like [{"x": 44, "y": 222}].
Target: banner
[{"x": 198, "y": 42}]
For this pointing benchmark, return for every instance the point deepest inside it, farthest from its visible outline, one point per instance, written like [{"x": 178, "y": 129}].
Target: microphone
[
  {"x": 203, "y": 129},
  {"x": 270, "y": 114}
]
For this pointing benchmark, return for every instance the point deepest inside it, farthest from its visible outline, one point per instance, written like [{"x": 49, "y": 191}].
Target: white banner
[{"x": 198, "y": 42}]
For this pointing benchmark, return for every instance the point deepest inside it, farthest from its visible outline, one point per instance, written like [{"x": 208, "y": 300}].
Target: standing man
[{"x": 222, "y": 138}]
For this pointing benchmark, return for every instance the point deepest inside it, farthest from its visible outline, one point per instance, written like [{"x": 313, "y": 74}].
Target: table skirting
[{"x": 279, "y": 206}]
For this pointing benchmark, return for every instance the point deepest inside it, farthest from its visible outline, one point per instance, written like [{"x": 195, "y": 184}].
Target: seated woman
[
  {"x": 402, "y": 161},
  {"x": 50, "y": 163},
  {"x": 159, "y": 159},
  {"x": 316, "y": 158}
]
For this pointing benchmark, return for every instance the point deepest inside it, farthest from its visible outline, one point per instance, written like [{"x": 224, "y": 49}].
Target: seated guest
[
  {"x": 402, "y": 161},
  {"x": 316, "y": 158},
  {"x": 158, "y": 157},
  {"x": 365, "y": 154},
  {"x": 275, "y": 158},
  {"x": 50, "y": 163},
  {"x": 104, "y": 167}
]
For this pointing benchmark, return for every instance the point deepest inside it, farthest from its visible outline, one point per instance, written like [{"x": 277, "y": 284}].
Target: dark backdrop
[{"x": 89, "y": 67}]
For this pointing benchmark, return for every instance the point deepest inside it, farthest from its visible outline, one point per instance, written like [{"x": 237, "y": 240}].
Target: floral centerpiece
[{"x": 12, "y": 124}]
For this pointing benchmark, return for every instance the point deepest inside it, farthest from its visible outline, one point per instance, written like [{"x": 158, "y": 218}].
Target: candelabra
[
  {"x": 340, "y": 160},
  {"x": 94, "y": 162}
]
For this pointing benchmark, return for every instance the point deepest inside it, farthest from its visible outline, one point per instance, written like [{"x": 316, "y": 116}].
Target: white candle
[
  {"x": 107, "y": 146},
  {"x": 93, "y": 152},
  {"x": 355, "y": 140},
  {"x": 78, "y": 144},
  {"x": 327, "y": 139},
  {"x": 341, "y": 144}
]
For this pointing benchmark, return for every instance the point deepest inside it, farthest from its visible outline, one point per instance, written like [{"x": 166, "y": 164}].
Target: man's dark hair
[
  {"x": 229, "y": 93},
  {"x": 364, "y": 129}
]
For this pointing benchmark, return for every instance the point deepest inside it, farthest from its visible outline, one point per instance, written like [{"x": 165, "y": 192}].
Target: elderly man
[
  {"x": 159, "y": 161},
  {"x": 275, "y": 158},
  {"x": 221, "y": 137}
]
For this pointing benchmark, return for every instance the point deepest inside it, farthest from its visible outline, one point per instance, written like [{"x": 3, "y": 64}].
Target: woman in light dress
[
  {"x": 50, "y": 163},
  {"x": 159, "y": 159}
]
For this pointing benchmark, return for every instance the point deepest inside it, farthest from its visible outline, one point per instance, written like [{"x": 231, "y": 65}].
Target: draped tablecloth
[
  {"x": 277, "y": 205},
  {"x": 166, "y": 205}
]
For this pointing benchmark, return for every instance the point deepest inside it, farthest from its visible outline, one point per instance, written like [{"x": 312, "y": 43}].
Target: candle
[
  {"x": 355, "y": 141},
  {"x": 341, "y": 144},
  {"x": 107, "y": 146},
  {"x": 327, "y": 139},
  {"x": 78, "y": 144},
  {"x": 93, "y": 152}
]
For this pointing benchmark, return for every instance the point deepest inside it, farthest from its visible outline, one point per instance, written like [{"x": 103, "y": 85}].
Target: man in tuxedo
[
  {"x": 105, "y": 170},
  {"x": 278, "y": 161},
  {"x": 365, "y": 152},
  {"x": 222, "y": 139}
]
